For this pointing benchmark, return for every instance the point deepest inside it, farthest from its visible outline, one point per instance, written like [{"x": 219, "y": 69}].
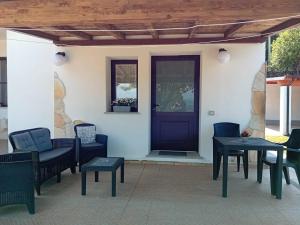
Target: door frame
[{"x": 197, "y": 96}]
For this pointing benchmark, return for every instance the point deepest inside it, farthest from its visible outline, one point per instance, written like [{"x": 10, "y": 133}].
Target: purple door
[{"x": 175, "y": 102}]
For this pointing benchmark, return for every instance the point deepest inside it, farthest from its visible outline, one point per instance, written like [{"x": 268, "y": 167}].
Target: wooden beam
[
  {"x": 116, "y": 34},
  {"x": 193, "y": 31},
  {"x": 75, "y": 32},
  {"x": 233, "y": 29},
  {"x": 40, "y": 34},
  {"x": 35, "y": 13},
  {"x": 281, "y": 26},
  {"x": 158, "y": 41},
  {"x": 153, "y": 32}
]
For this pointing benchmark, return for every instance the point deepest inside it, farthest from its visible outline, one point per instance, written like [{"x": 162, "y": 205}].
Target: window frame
[
  {"x": 113, "y": 79},
  {"x": 2, "y": 82}
]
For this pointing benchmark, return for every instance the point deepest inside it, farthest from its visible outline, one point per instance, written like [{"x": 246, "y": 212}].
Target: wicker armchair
[
  {"x": 17, "y": 179},
  {"x": 86, "y": 152}
]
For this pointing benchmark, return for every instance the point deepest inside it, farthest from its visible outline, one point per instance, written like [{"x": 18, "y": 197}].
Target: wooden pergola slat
[
  {"x": 233, "y": 29},
  {"x": 282, "y": 26},
  {"x": 37, "y": 33},
  {"x": 116, "y": 34},
  {"x": 158, "y": 41},
  {"x": 35, "y": 13},
  {"x": 193, "y": 31},
  {"x": 153, "y": 32},
  {"x": 71, "y": 30}
]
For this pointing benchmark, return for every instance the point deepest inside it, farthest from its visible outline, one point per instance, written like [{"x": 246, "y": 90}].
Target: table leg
[
  {"x": 279, "y": 174},
  {"x": 96, "y": 176},
  {"x": 83, "y": 183},
  {"x": 246, "y": 164},
  {"x": 113, "y": 183},
  {"x": 122, "y": 172},
  {"x": 225, "y": 173},
  {"x": 273, "y": 177},
  {"x": 259, "y": 166},
  {"x": 215, "y": 175}
]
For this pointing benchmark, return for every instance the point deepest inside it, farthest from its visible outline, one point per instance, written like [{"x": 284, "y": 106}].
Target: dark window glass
[
  {"x": 124, "y": 83},
  {"x": 3, "y": 82}
]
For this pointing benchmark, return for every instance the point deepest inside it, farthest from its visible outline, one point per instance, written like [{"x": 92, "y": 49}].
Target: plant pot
[{"x": 121, "y": 108}]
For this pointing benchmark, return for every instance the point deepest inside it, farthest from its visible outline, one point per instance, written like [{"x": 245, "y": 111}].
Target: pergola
[
  {"x": 142, "y": 22},
  {"x": 287, "y": 80}
]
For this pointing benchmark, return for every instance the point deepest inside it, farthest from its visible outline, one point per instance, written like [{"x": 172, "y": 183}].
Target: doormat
[{"x": 172, "y": 153}]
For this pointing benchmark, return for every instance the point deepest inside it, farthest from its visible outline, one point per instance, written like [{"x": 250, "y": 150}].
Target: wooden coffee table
[{"x": 102, "y": 164}]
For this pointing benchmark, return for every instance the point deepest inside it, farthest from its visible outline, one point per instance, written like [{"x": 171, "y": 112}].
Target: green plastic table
[
  {"x": 102, "y": 164},
  {"x": 224, "y": 144}
]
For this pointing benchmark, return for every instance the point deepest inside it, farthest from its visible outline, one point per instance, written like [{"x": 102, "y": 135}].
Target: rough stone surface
[
  {"x": 256, "y": 126},
  {"x": 63, "y": 126}
]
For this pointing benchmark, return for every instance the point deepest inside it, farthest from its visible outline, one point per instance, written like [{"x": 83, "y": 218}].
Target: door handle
[{"x": 154, "y": 106}]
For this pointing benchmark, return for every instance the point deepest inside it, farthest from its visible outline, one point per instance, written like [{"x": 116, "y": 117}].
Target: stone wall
[
  {"x": 256, "y": 126},
  {"x": 63, "y": 126}
]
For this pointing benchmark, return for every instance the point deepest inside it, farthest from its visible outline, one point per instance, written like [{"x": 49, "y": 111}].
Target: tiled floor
[{"x": 160, "y": 194}]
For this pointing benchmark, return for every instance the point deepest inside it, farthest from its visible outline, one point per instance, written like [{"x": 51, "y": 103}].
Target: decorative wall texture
[
  {"x": 63, "y": 126},
  {"x": 256, "y": 126},
  {"x": 257, "y": 121}
]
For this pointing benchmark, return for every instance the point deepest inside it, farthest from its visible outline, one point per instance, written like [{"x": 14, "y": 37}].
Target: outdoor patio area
[{"x": 161, "y": 194}]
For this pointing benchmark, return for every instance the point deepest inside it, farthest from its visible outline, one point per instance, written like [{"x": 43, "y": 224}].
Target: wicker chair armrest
[
  {"x": 101, "y": 138},
  {"x": 18, "y": 156},
  {"x": 11, "y": 163},
  {"x": 78, "y": 141},
  {"x": 63, "y": 142}
]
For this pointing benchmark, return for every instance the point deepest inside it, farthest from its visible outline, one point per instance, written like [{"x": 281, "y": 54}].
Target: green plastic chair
[
  {"x": 17, "y": 179},
  {"x": 292, "y": 158}
]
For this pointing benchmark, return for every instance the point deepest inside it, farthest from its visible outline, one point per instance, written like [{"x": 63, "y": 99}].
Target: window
[
  {"x": 3, "y": 82},
  {"x": 124, "y": 83}
]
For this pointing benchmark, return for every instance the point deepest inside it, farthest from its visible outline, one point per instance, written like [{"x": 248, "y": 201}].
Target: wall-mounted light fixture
[
  {"x": 223, "y": 56},
  {"x": 60, "y": 58}
]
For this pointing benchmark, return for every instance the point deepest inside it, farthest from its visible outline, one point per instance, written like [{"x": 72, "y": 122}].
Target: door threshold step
[
  {"x": 172, "y": 153},
  {"x": 164, "y": 154}
]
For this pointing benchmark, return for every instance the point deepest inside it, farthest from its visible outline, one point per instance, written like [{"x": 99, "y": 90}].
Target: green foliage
[{"x": 286, "y": 52}]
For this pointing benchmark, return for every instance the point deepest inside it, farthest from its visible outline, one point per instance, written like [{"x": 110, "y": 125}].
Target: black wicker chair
[
  {"x": 17, "y": 179},
  {"x": 53, "y": 155},
  {"x": 86, "y": 152}
]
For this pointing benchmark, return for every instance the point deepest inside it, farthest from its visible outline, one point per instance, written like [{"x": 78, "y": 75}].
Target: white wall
[
  {"x": 295, "y": 103},
  {"x": 30, "y": 82},
  {"x": 273, "y": 102},
  {"x": 226, "y": 89}
]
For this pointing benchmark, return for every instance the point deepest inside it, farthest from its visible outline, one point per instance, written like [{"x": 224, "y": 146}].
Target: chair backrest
[
  {"x": 293, "y": 142},
  {"x": 226, "y": 129},
  {"x": 82, "y": 125},
  {"x": 36, "y": 139}
]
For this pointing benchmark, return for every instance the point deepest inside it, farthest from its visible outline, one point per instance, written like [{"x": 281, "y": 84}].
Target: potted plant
[
  {"x": 123, "y": 104},
  {"x": 245, "y": 134}
]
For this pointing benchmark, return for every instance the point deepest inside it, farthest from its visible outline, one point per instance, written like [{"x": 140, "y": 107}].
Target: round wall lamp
[
  {"x": 60, "y": 58},
  {"x": 223, "y": 56}
]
